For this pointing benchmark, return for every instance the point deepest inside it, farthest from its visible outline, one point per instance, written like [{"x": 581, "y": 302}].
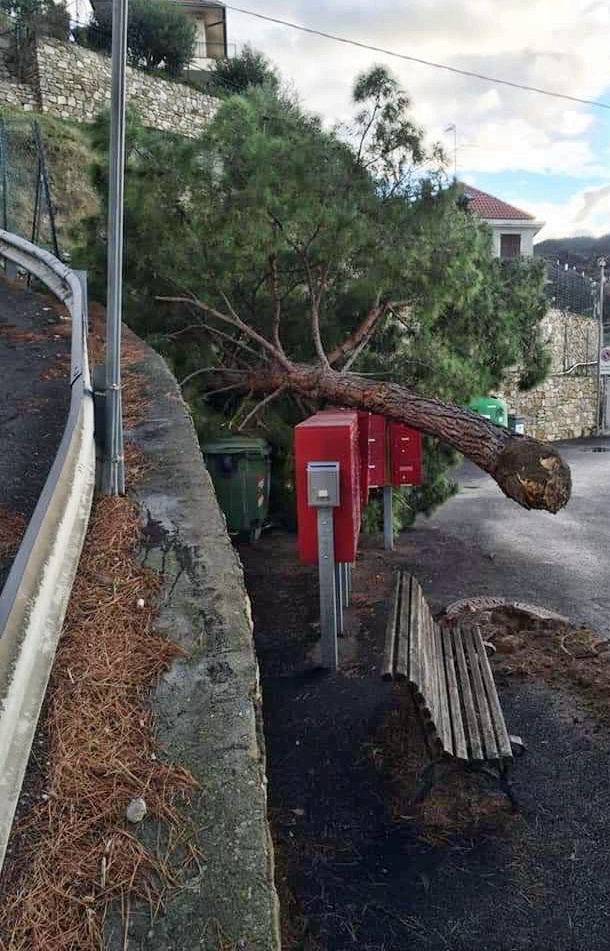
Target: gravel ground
[{"x": 34, "y": 395}]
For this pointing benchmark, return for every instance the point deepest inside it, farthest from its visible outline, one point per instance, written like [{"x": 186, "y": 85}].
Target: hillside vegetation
[{"x": 70, "y": 157}]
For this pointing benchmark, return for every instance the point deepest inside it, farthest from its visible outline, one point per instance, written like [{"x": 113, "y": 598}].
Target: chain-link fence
[
  {"x": 26, "y": 206},
  {"x": 569, "y": 290}
]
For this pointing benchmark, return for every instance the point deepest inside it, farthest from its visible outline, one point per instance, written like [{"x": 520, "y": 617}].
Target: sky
[{"x": 548, "y": 156}]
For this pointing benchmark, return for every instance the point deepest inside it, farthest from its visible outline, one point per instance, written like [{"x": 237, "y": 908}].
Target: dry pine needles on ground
[
  {"x": 12, "y": 527},
  {"x": 73, "y": 854}
]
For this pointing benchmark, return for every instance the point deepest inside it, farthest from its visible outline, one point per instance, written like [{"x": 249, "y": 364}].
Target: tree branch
[
  {"x": 259, "y": 407},
  {"x": 276, "y": 304},
  {"x": 235, "y": 321},
  {"x": 364, "y": 330},
  {"x": 315, "y": 295}
]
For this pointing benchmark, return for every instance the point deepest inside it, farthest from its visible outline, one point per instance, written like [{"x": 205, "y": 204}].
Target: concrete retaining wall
[{"x": 208, "y": 706}]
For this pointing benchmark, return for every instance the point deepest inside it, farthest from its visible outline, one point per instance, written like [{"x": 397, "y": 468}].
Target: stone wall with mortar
[
  {"x": 74, "y": 83},
  {"x": 17, "y": 95},
  {"x": 564, "y": 406},
  {"x": 207, "y": 707}
]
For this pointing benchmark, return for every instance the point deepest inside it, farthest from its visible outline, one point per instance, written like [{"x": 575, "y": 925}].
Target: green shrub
[
  {"x": 43, "y": 16},
  {"x": 159, "y": 35}
]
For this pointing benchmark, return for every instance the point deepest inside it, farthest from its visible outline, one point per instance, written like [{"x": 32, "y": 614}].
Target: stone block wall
[
  {"x": 564, "y": 406},
  {"x": 73, "y": 83},
  {"x": 17, "y": 94}
]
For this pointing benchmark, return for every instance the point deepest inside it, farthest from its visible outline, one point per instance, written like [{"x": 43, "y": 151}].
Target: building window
[{"x": 510, "y": 246}]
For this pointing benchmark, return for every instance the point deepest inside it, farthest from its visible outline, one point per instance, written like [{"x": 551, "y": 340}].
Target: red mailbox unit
[
  {"x": 331, "y": 436},
  {"x": 405, "y": 455}
]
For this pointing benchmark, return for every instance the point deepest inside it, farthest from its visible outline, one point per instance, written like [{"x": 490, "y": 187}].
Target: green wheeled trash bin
[
  {"x": 492, "y": 408},
  {"x": 240, "y": 469}
]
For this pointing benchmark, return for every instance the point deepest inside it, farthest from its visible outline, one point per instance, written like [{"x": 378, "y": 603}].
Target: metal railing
[{"x": 36, "y": 593}]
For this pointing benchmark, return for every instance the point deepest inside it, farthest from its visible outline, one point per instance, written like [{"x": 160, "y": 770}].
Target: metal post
[
  {"x": 388, "y": 521},
  {"x": 114, "y": 472},
  {"x": 44, "y": 181},
  {"x": 340, "y": 596},
  {"x": 600, "y": 344},
  {"x": 328, "y": 602},
  {"x": 4, "y": 160},
  {"x": 345, "y": 581}
]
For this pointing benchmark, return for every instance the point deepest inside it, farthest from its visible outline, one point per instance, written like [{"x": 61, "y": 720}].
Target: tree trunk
[{"x": 530, "y": 472}]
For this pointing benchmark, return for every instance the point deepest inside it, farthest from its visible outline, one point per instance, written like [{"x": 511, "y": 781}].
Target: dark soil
[
  {"x": 358, "y": 866},
  {"x": 34, "y": 399}
]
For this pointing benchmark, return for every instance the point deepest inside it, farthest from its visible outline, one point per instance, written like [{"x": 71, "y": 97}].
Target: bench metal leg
[
  {"x": 432, "y": 774},
  {"x": 506, "y": 787}
]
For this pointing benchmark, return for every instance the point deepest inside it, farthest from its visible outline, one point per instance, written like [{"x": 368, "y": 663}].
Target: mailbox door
[
  {"x": 365, "y": 455},
  {"x": 329, "y": 437},
  {"x": 405, "y": 455},
  {"x": 377, "y": 451}
]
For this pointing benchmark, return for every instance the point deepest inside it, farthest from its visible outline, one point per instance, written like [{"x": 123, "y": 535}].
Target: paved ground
[
  {"x": 480, "y": 542},
  {"x": 34, "y": 396},
  {"x": 352, "y": 873}
]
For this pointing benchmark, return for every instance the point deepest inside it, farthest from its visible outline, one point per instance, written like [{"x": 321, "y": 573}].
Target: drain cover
[{"x": 598, "y": 449}]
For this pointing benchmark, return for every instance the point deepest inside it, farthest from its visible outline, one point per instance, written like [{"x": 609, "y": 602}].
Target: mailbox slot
[{"x": 323, "y": 490}]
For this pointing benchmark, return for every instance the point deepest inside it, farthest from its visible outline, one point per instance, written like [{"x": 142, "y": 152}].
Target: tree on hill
[
  {"x": 160, "y": 35},
  {"x": 277, "y": 264},
  {"x": 237, "y": 74}
]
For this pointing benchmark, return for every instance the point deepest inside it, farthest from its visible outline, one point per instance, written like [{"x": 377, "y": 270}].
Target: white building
[
  {"x": 513, "y": 230},
  {"x": 211, "y": 39}
]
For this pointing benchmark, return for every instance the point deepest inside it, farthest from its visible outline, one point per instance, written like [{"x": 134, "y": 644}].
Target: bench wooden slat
[
  {"x": 449, "y": 677},
  {"x": 485, "y": 721},
  {"x": 502, "y": 737},
  {"x": 415, "y": 659},
  {"x": 391, "y": 634},
  {"x": 445, "y": 730},
  {"x": 403, "y": 656},
  {"x": 472, "y": 730},
  {"x": 460, "y": 746}
]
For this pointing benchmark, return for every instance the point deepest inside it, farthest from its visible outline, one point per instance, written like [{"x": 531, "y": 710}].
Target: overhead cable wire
[{"x": 422, "y": 62}]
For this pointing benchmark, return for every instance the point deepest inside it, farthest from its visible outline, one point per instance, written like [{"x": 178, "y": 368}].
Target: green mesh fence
[{"x": 26, "y": 206}]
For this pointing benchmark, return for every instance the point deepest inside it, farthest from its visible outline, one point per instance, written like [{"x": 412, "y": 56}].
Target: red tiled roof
[{"x": 486, "y": 206}]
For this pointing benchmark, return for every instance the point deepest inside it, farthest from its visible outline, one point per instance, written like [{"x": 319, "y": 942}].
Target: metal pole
[
  {"x": 113, "y": 481},
  {"x": 600, "y": 343},
  {"x": 4, "y": 158},
  {"x": 44, "y": 181},
  {"x": 340, "y": 596},
  {"x": 345, "y": 581},
  {"x": 328, "y": 603},
  {"x": 388, "y": 521}
]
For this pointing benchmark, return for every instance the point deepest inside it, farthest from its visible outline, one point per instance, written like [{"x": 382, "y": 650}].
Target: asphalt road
[
  {"x": 34, "y": 395},
  {"x": 481, "y": 543}
]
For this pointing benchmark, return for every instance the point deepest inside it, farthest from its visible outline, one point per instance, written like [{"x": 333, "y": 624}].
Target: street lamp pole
[
  {"x": 113, "y": 477},
  {"x": 600, "y": 344}
]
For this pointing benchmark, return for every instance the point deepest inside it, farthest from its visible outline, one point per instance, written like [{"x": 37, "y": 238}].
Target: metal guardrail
[{"x": 36, "y": 593}]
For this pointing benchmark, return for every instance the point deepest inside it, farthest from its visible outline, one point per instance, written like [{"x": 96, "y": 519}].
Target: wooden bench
[{"x": 450, "y": 681}]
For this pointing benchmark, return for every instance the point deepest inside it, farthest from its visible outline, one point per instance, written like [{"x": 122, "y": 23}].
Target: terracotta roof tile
[{"x": 486, "y": 206}]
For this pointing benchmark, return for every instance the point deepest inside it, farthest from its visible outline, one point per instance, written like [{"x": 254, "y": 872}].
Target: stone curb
[{"x": 208, "y": 706}]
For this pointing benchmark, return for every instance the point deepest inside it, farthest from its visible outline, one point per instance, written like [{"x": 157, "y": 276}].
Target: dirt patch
[
  {"x": 558, "y": 653},
  {"x": 12, "y": 527},
  {"x": 72, "y": 851}
]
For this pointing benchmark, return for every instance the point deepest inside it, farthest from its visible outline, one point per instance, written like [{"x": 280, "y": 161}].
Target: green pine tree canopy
[{"x": 267, "y": 207}]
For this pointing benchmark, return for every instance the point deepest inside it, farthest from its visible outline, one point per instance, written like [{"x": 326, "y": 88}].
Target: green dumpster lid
[{"x": 235, "y": 446}]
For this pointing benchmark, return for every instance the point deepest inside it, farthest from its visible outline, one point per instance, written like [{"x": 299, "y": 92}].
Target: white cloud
[
  {"x": 560, "y": 45},
  {"x": 586, "y": 212}
]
